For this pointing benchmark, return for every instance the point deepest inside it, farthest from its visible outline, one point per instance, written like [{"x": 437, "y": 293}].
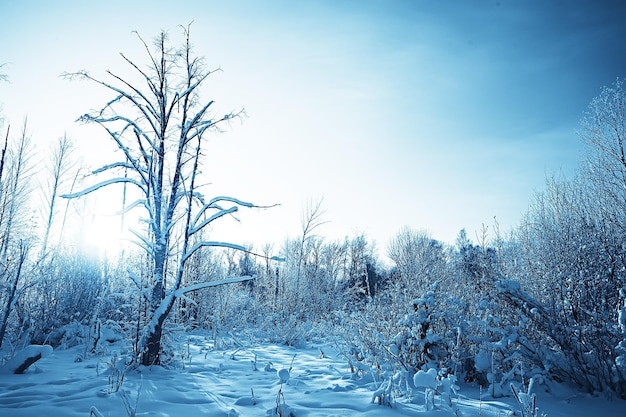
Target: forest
[{"x": 544, "y": 302}]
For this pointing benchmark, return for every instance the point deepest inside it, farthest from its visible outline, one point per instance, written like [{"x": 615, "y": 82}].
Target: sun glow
[
  {"x": 100, "y": 229},
  {"x": 104, "y": 236}
]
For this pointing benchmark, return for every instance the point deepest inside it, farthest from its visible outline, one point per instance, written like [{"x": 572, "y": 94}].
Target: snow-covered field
[{"x": 244, "y": 381}]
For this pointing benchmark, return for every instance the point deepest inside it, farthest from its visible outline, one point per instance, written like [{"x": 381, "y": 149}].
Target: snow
[
  {"x": 243, "y": 381},
  {"x": 32, "y": 353},
  {"x": 426, "y": 379},
  {"x": 481, "y": 361},
  {"x": 283, "y": 375}
]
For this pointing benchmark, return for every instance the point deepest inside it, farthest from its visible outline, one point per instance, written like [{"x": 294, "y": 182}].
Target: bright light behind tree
[{"x": 97, "y": 227}]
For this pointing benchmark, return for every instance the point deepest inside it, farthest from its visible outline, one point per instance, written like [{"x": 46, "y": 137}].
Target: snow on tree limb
[
  {"x": 113, "y": 166},
  {"x": 202, "y": 244},
  {"x": 102, "y": 184},
  {"x": 129, "y": 207},
  {"x": 169, "y": 299},
  {"x": 145, "y": 112},
  {"x": 181, "y": 291},
  {"x": 150, "y": 108},
  {"x": 212, "y": 204},
  {"x": 143, "y": 242},
  {"x": 88, "y": 118},
  {"x": 196, "y": 228},
  {"x": 230, "y": 199},
  {"x": 240, "y": 248},
  {"x": 25, "y": 358}
]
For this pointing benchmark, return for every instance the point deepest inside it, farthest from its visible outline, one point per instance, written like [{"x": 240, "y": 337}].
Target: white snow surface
[{"x": 243, "y": 382}]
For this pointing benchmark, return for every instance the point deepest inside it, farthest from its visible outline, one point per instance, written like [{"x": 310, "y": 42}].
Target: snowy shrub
[
  {"x": 67, "y": 290},
  {"x": 116, "y": 369},
  {"x": 435, "y": 383},
  {"x": 411, "y": 320},
  {"x": 571, "y": 285},
  {"x": 526, "y": 399},
  {"x": 428, "y": 335},
  {"x": 74, "y": 334},
  {"x": 387, "y": 344},
  {"x": 570, "y": 265},
  {"x": 498, "y": 357},
  {"x": 383, "y": 395},
  {"x": 428, "y": 381}
]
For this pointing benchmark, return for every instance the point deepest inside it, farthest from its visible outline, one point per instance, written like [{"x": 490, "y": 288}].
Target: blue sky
[{"x": 437, "y": 115}]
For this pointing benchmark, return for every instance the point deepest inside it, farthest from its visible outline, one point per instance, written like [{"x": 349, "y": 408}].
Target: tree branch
[{"x": 102, "y": 184}]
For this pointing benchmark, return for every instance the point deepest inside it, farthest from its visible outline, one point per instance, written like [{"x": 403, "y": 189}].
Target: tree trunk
[
  {"x": 152, "y": 349},
  {"x": 151, "y": 354}
]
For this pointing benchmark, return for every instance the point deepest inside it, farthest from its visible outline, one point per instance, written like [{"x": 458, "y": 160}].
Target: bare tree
[
  {"x": 57, "y": 174},
  {"x": 312, "y": 218},
  {"x": 159, "y": 125},
  {"x": 418, "y": 258},
  {"x": 15, "y": 173}
]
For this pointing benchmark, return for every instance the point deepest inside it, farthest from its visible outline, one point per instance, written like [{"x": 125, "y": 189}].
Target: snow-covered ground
[{"x": 244, "y": 381}]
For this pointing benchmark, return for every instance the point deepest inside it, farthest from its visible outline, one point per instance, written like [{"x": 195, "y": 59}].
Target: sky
[{"x": 436, "y": 115}]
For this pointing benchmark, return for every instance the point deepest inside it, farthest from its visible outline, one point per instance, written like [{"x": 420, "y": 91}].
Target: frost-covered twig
[
  {"x": 131, "y": 409},
  {"x": 527, "y": 400}
]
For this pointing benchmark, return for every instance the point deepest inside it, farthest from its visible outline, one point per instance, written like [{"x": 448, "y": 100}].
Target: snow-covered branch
[
  {"x": 102, "y": 184},
  {"x": 195, "y": 120},
  {"x": 212, "y": 204},
  {"x": 227, "y": 245},
  {"x": 202, "y": 244},
  {"x": 150, "y": 107},
  {"x": 144, "y": 291},
  {"x": 143, "y": 243},
  {"x": 230, "y": 199},
  {"x": 196, "y": 228},
  {"x": 181, "y": 291},
  {"x": 126, "y": 95},
  {"x": 129, "y": 123},
  {"x": 113, "y": 166},
  {"x": 132, "y": 205}
]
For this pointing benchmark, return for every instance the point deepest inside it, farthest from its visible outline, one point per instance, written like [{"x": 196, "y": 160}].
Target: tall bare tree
[
  {"x": 15, "y": 175},
  {"x": 159, "y": 124},
  {"x": 57, "y": 171}
]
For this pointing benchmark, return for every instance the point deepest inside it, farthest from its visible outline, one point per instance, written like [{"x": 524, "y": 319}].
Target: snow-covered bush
[
  {"x": 428, "y": 335},
  {"x": 428, "y": 381},
  {"x": 526, "y": 399},
  {"x": 66, "y": 290},
  {"x": 389, "y": 344},
  {"x": 569, "y": 288}
]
